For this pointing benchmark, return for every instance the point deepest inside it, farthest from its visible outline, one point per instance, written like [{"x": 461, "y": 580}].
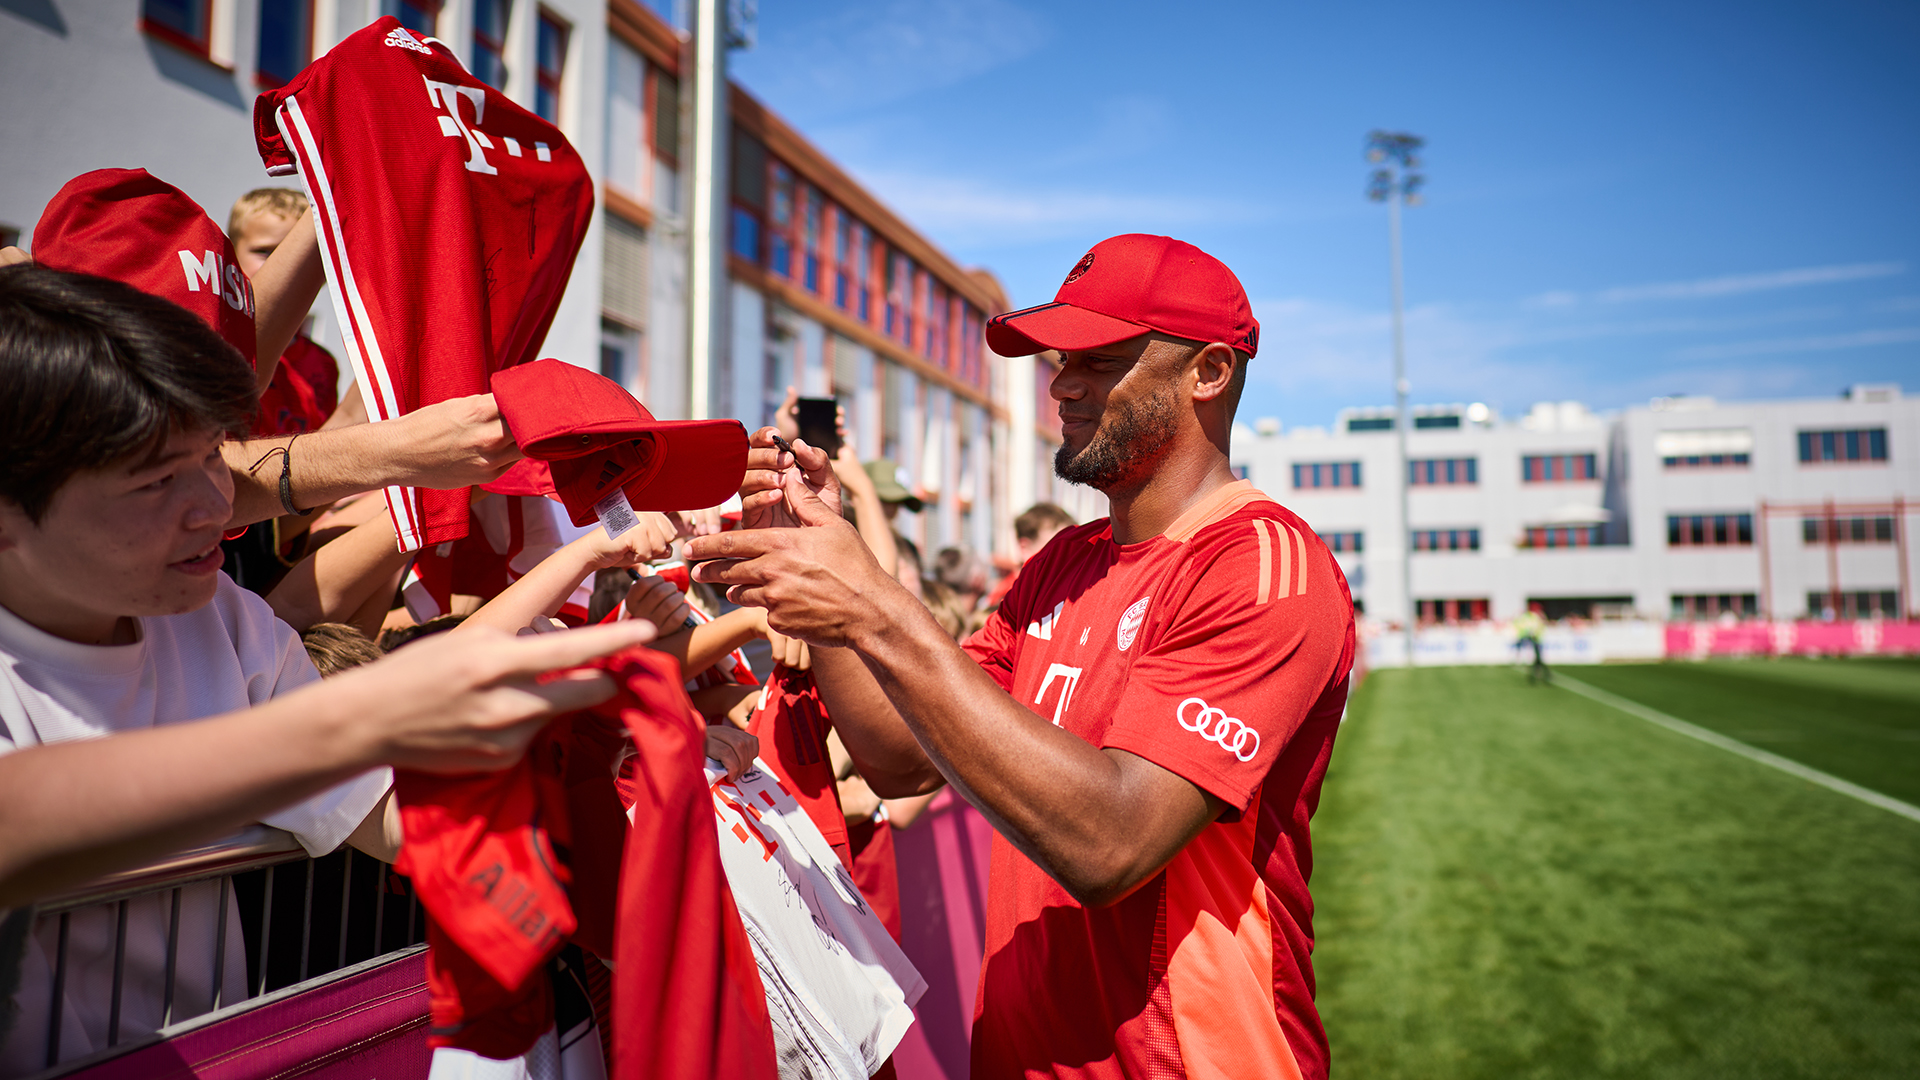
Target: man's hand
[
  {"x": 471, "y": 702},
  {"x": 456, "y": 443},
  {"x": 818, "y": 582},
  {"x": 763, "y": 503}
]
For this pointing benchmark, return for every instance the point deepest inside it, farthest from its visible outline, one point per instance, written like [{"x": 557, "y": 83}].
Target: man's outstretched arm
[
  {"x": 455, "y": 443},
  {"x": 1101, "y": 822}
]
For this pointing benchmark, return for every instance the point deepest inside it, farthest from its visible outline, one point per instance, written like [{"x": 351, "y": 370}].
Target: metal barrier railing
[{"x": 341, "y": 919}]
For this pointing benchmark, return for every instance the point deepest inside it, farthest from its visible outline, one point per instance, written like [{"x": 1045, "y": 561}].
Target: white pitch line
[{"x": 1734, "y": 746}]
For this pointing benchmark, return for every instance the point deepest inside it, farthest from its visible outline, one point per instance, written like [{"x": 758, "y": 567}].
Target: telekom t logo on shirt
[
  {"x": 1069, "y": 678},
  {"x": 448, "y": 96}
]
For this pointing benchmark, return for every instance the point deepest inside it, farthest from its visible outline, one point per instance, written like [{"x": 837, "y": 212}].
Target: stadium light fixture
[{"x": 1395, "y": 181}]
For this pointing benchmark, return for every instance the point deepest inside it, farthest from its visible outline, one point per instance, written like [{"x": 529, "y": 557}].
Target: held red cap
[
  {"x": 1130, "y": 285},
  {"x": 584, "y": 436},
  {"x": 127, "y": 225}
]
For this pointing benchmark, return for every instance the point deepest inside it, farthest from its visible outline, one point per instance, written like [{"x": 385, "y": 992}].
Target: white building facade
[
  {"x": 1683, "y": 509},
  {"x": 826, "y": 289}
]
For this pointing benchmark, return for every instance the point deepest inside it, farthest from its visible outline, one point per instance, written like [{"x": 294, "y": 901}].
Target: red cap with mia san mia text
[
  {"x": 1130, "y": 285},
  {"x": 584, "y": 436},
  {"x": 135, "y": 228}
]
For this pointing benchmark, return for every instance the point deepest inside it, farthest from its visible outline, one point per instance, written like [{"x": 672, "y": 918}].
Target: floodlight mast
[{"x": 1395, "y": 157}]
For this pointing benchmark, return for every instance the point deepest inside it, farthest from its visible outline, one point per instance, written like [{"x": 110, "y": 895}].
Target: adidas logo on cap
[{"x": 610, "y": 471}]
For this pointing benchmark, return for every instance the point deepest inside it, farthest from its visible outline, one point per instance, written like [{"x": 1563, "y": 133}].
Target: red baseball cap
[
  {"x": 134, "y": 228},
  {"x": 587, "y": 435},
  {"x": 1127, "y": 286}
]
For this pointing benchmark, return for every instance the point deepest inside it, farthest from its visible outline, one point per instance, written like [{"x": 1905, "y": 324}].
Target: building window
[
  {"x": 1556, "y": 608},
  {"x": 1700, "y": 606},
  {"x": 1856, "y": 444},
  {"x": 779, "y": 235},
  {"x": 623, "y": 272},
  {"x": 863, "y": 270},
  {"x": 1442, "y": 471},
  {"x": 1369, "y": 423},
  {"x": 1562, "y": 536},
  {"x": 1438, "y": 422},
  {"x": 1452, "y": 611},
  {"x": 550, "y": 61},
  {"x": 1704, "y": 448},
  {"x": 810, "y": 237},
  {"x": 420, "y": 16},
  {"x": 490, "y": 42},
  {"x": 1861, "y": 604},
  {"x": 285, "y": 41},
  {"x": 842, "y": 253},
  {"x": 899, "y": 290},
  {"x": 1847, "y": 530},
  {"x": 183, "y": 23},
  {"x": 1327, "y": 474},
  {"x": 1709, "y": 530},
  {"x": 745, "y": 234},
  {"x": 1343, "y": 543},
  {"x": 973, "y": 348},
  {"x": 1446, "y": 540},
  {"x": 1706, "y": 461},
  {"x": 666, "y": 116},
  {"x": 1557, "y": 468}
]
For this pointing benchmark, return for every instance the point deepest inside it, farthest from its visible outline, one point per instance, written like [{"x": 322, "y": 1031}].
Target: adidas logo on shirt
[
  {"x": 1043, "y": 629},
  {"x": 398, "y": 38}
]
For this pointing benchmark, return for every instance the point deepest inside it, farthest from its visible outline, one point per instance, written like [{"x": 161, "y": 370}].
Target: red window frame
[
  {"x": 547, "y": 80},
  {"x": 201, "y": 47},
  {"x": 1576, "y": 468}
]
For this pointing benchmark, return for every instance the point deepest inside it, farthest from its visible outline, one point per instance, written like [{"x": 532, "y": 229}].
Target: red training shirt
[
  {"x": 1219, "y": 651},
  {"x": 304, "y": 392}
]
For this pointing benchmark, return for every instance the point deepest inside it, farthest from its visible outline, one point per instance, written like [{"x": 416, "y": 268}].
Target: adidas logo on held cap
[{"x": 1130, "y": 285}]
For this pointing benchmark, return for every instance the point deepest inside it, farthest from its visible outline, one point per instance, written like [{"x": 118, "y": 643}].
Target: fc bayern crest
[
  {"x": 1130, "y": 621},
  {"x": 1079, "y": 269}
]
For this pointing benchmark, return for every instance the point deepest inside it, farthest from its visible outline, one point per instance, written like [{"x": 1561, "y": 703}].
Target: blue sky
[{"x": 1624, "y": 200}]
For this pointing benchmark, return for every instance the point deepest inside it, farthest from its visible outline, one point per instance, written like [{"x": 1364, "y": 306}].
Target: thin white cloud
[
  {"x": 962, "y": 210},
  {"x": 1724, "y": 285},
  {"x": 873, "y": 52},
  {"x": 1828, "y": 343}
]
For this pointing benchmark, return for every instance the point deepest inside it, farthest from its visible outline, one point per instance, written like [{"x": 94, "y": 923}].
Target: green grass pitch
[{"x": 1515, "y": 881}]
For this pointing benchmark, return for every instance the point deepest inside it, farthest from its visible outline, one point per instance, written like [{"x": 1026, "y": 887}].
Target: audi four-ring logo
[{"x": 1214, "y": 725}]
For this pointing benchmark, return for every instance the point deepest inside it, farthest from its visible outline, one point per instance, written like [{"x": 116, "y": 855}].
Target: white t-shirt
[{"x": 231, "y": 654}]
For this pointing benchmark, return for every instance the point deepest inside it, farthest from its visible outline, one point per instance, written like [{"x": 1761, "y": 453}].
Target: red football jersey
[
  {"x": 304, "y": 392},
  {"x": 1219, "y": 651},
  {"x": 448, "y": 219}
]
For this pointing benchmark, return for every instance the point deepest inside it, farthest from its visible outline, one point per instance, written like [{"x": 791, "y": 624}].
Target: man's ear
[{"x": 1213, "y": 368}]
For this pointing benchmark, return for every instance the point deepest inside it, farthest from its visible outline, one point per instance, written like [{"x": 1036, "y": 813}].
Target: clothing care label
[
  {"x": 840, "y": 993},
  {"x": 616, "y": 513}
]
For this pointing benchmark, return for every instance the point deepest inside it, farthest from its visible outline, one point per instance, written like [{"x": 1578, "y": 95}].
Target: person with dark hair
[
  {"x": 1145, "y": 721},
  {"x": 115, "y": 406},
  {"x": 1037, "y": 525}
]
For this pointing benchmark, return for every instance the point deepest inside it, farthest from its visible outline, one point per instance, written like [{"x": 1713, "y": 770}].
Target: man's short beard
[{"x": 1126, "y": 447}]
